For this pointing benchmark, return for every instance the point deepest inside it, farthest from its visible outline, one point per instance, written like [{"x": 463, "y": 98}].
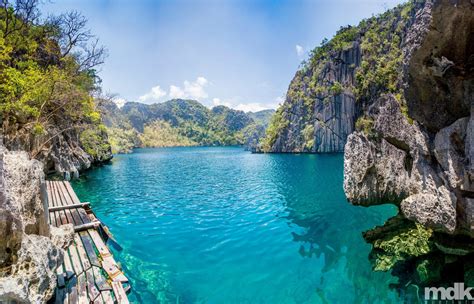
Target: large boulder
[{"x": 30, "y": 251}]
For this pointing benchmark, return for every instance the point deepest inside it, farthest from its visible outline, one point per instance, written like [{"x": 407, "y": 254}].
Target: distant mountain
[
  {"x": 180, "y": 122},
  {"x": 262, "y": 117}
]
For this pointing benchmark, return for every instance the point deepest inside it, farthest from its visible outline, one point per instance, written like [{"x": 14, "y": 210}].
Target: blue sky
[{"x": 239, "y": 53}]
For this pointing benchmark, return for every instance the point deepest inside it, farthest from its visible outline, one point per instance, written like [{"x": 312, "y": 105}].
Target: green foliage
[
  {"x": 308, "y": 135},
  {"x": 92, "y": 140},
  {"x": 41, "y": 87},
  {"x": 336, "y": 88},
  {"x": 364, "y": 124},
  {"x": 219, "y": 126},
  {"x": 341, "y": 41},
  {"x": 381, "y": 53},
  {"x": 162, "y": 134},
  {"x": 412, "y": 242},
  {"x": 277, "y": 123},
  {"x": 122, "y": 140}
]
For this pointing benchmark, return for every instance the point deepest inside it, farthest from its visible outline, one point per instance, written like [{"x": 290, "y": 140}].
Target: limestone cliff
[
  {"x": 332, "y": 89},
  {"x": 396, "y": 94},
  {"x": 420, "y": 158},
  {"x": 30, "y": 250}
]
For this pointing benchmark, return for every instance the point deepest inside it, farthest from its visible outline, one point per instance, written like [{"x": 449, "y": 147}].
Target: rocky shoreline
[
  {"x": 396, "y": 94},
  {"x": 422, "y": 162},
  {"x": 30, "y": 249}
]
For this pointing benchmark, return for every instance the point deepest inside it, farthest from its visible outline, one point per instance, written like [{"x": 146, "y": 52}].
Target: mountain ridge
[{"x": 180, "y": 122}]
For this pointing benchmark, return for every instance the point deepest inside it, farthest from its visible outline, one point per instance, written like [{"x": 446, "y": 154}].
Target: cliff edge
[{"x": 421, "y": 158}]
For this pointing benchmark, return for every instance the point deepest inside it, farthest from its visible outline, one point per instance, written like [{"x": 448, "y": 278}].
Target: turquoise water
[{"x": 221, "y": 225}]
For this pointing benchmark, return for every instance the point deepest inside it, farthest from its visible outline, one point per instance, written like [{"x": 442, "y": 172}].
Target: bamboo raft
[{"x": 89, "y": 273}]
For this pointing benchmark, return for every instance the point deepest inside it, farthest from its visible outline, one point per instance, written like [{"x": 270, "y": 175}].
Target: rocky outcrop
[
  {"x": 29, "y": 250},
  {"x": 342, "y": 77},
  {"x": 394, "y": 164},
  {"x": 420, "y": 157},
  {"x": 321, "y": 122},
  {"x": 422, "y": 163},
  {"x": 70, "y": 152}
]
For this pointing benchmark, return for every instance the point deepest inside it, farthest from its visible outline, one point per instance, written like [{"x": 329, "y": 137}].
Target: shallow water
[{"x": 221, "y": 225}]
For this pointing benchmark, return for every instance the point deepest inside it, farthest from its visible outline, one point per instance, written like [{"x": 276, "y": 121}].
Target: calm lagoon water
[{"x": 221, "y": 225}]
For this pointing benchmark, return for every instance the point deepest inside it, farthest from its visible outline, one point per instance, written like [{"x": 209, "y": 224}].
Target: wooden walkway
[{"x": 89, "y": 273}]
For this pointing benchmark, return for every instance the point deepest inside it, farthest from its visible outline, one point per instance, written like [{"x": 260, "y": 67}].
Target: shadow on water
[{"x": 330, "y": 228}]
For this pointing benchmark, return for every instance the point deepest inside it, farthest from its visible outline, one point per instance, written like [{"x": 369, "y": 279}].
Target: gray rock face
[
  {"x": 32, "y": 278},
  {"x": 332, "y": 116},
  {"x": 425, "y": 167},
  {"x": 28, "y": 255},
  {"x": 22, "y": 210},
  {"x": 395, "y": 165},
  {"x": 66, "y": 156},
  {"x": 450, "y": 151},
  {"x": 438, "y": 60}
]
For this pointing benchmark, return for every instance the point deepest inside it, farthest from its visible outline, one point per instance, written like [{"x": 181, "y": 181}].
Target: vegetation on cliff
[
  {"x": 48, "y": 80},
  {"x": 358, "y": 63}
]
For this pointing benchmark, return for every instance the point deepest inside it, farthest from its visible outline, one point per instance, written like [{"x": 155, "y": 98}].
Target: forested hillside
[
  {"x": 47, "y": 86},
  {"x": 180, "y": 122}
]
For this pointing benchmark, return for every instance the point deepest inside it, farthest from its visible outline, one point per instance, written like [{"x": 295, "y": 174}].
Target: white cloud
[
  {"x": 218, "y": 102},
  {"x": 251, "y": 107},
  {"x": 191, "y": 89},
  {"x": 154, "y": 95},
  {"x": 299, "y": 50},
  {"x": 237, "y": 104},
  {"x": 119, "y": 102},
  {"x": 176, "y": 92}
]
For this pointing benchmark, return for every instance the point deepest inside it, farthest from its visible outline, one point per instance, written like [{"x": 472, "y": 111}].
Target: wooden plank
[
  {"x": 76, "y": 262},
  {"x": 92, "y": 290},
  {"x": 99, "y": 300},
  {"x": 68, "y": 216},
  {"x": 84, "y": 217},
  {"x": 66, "y": 201},
  {"x": 52, "y": 219},
  {"x": 68, "y": 265},
  {"x": 82, "y": 289},
  {"x": 48, "y": 191},
  {"x": 57, "y": 217},
  {"x": 64, "y": 217},
  {"x": 75, "y": 216},
  {"x": 119, "y": 293},
  {"x": 107, "y": 296},
  {"x": 65, "y": 194},
  {"x": 99, "y": 244},
  {"x": 72, "y": 194},
  {"x": 112, "y": 270},
  {"x": 89, "y": 247},
  {"x": 66, "y": 296},
  {"x": 72, "y": 290},
  {"x": 56, "y": 208},
  {"x": 82, "y": 252},
  {"x": 100, "y": 280},
  {"x": 86, "y": 226}
]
